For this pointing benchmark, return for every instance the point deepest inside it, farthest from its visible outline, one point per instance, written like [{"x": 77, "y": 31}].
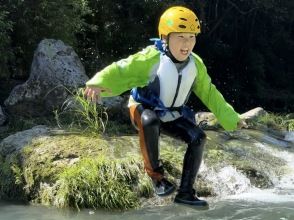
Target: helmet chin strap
[{"x": 171, "y": 56}]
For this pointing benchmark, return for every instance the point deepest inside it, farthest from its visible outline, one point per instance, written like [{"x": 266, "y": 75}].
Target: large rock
[
  {"x": 19, "y": 140},
  {"x": 206, "y": 120},
  {"x": 253, "y": 114},
  {"x": 117, "y": 108},
  {"x": 56, "y": 69},
  {"x": 2, "y": 116}
]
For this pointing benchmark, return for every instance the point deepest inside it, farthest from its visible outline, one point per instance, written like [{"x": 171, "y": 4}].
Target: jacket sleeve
[
  {"x": 125, "y": 74},
  {"x": 213, "y": 99}
]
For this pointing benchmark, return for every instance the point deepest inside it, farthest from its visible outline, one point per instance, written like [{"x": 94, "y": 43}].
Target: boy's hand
[
  {"x": 242, "y": 124},
  {"x": 93, "y": 94}
]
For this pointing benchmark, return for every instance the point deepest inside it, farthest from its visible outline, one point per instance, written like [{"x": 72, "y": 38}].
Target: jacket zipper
[{"x": 177, "y": 90}]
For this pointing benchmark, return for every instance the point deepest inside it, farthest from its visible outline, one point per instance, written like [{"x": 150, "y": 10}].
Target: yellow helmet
[{"x": 178, "y": 19}]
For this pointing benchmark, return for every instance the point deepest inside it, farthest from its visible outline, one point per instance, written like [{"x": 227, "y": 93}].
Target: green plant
[
  {"x": 78, "y": 113},
  {"x": 291, "y": 125},
  {"x": 101, "y": 183},
  {"x": 277, "y": 121}
]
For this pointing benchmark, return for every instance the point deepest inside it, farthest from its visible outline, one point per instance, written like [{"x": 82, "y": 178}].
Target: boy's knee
[
  {"x": 149, "y": 118},
  {"x": 198, "y": 138}
]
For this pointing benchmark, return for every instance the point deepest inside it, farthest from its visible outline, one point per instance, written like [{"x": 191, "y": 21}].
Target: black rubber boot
[
  {"x": 163, "y": 187},
  {"x": 190, "y": 198},
  {"x": 192, "y": 162}
]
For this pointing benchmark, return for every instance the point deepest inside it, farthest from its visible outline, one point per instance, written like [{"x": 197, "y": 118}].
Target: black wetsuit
[{"x": 149, "y": 125}]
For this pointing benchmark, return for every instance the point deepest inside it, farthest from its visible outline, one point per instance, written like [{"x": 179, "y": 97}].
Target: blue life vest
[
  {"x": 159, "y": 44},
  {"x": 148, "y": 98}
]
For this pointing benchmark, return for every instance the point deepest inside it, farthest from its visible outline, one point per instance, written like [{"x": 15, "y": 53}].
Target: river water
[{"x": 224, "y": 209}]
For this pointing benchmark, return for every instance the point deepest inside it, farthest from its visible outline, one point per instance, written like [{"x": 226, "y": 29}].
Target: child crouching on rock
[{"x": 161, "y": 78}]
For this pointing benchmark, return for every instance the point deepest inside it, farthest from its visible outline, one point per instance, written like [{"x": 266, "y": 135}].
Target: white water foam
[
  {"x": 227, "y": 180},
  {"x": 283, "y": 190},
  {"x": 290, "y": 136}
]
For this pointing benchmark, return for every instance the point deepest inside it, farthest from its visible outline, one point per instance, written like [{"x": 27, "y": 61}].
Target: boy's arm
[
  {"x": 213, "y": 99},
  {"x": 125, "y": 74}
]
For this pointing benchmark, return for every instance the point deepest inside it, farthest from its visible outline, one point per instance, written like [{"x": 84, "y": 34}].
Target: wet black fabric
[
  {"x": 183, "y": 129},
  {"x": 195, "y": 138},
  {"x": 150, "y": 123}
]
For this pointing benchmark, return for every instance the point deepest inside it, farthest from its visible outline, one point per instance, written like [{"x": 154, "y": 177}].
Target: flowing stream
[
  {"x": 276, "y": 203},
  {"x": 222, "y": 209}
]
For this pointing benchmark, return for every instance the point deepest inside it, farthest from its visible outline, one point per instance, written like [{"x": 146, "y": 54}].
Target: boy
[{"x": 161, "y": 79}]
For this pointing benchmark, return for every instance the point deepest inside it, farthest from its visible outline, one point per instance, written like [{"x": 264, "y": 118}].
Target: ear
[{"x": 164, "y": 38}]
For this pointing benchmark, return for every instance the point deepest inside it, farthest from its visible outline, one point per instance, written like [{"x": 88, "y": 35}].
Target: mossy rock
[
  {"x": 74, "y": 170},
  {"x": 67, "y": 169}
]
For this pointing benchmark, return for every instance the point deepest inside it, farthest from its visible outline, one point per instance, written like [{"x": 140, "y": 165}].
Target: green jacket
[{"x": 135, "y": 72}]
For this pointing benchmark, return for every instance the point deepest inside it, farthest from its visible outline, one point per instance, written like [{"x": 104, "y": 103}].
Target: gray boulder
[
  {"x": 253, "y": 114},
  {"x": 116, "y": 108},
  {"x": 206, "y": 120},
  {"x": 209, "y": 121},
  {"x": 20, "y": 139},
  {"x": 56, "y": 70}
]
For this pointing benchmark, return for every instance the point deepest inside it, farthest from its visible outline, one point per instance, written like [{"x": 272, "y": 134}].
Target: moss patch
[{"x": 11, "y": 183}]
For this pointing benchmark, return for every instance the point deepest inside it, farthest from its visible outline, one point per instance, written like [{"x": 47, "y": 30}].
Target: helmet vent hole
[
  {"x": 182, "y": 26},
  {"x": 181, "y": 10},
  {"x": 183, "y": 19}
]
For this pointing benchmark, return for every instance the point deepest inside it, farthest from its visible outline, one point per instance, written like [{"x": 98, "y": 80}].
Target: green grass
[
  {"x": 277, "y": 121},
  {"x": 77, "y": 113},
  {"x": 102, "y": 183}
]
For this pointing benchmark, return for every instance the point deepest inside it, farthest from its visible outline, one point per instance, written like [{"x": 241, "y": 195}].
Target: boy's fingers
[
  {"x": 89, "y": 94},
  {"x": 93, "y": 94},
  {"x": 87, "y": 90}
]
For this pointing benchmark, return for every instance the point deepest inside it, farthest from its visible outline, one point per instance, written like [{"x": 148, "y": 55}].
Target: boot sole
[
  {"x": 167, "y": 193},
  {"x": 203, "y": 206}
]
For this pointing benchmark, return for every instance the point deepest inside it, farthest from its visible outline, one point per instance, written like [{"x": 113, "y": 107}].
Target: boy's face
[{"x": 181, "y": 44}]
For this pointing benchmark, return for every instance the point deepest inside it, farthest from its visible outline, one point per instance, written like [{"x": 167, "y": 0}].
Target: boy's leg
[
  {"x": 147, "y": 123},
  {"x": 195, "y": 138}
]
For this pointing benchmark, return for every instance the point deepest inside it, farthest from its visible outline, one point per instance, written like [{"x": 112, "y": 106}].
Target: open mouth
[{"x": 184, "y": 51}]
